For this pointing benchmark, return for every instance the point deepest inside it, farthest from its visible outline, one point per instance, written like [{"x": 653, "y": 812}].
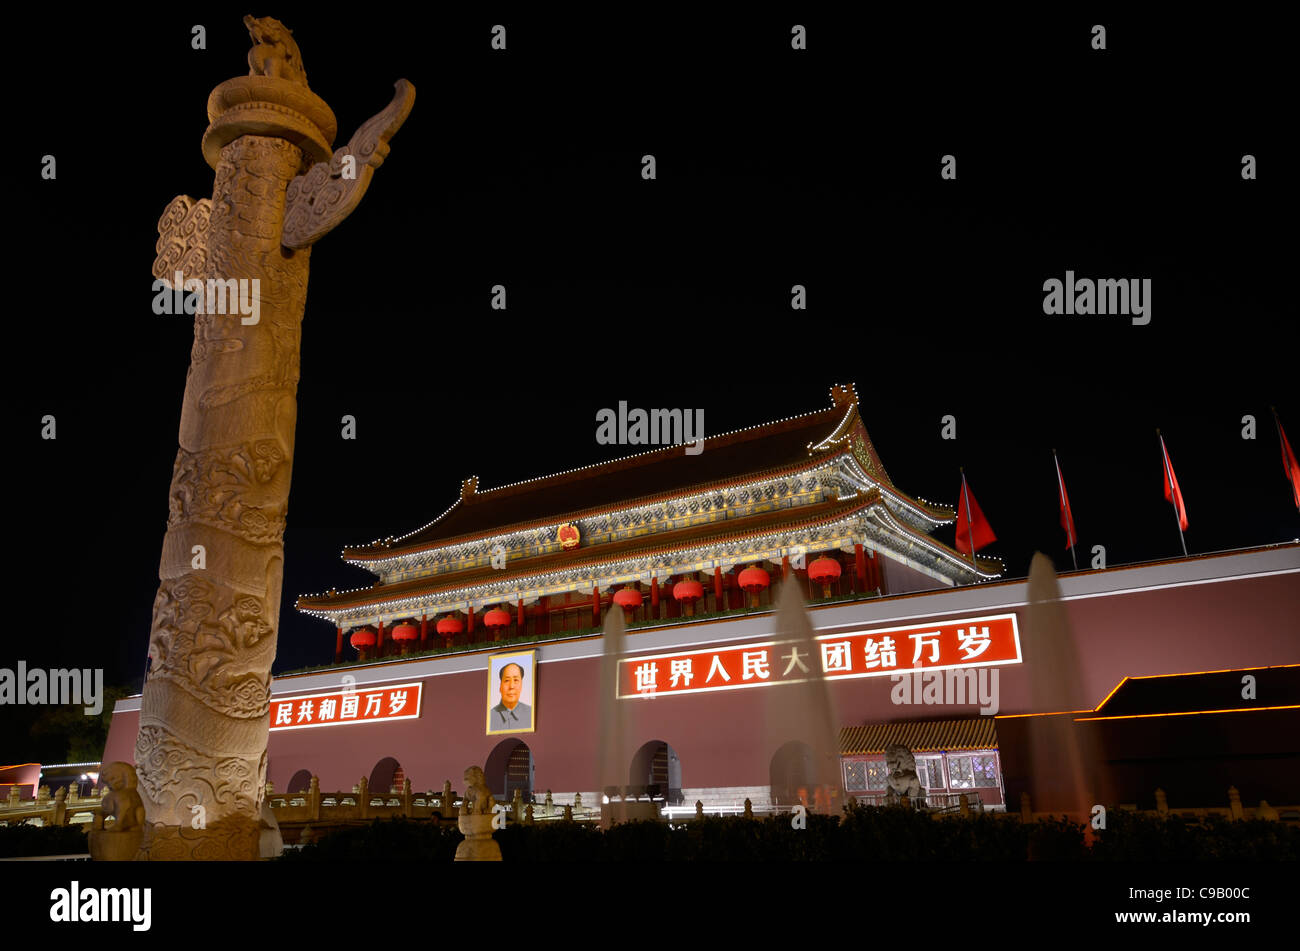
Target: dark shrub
[
  {"x": 42, "y": 840},
  {"x": 385, "y": 840}
]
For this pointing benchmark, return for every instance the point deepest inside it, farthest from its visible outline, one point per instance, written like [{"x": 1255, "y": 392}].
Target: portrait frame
[{"x": 527, "y": 661}]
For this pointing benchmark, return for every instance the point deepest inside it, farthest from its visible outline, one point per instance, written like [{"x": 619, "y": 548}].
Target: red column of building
[
  {"x": 860, "y": 559},
  {"x": 595, "y": 606},
  {"x": 424, "y": 629},
  {"x": 521, "y": 616},
  {"x": 544, "y": 617},
  {"x": 469, "y": 627},
  {"x": 379, "y": 641},
  {"x": 785, "y": 567},
  {"x": 717, "y": 589},
  {"x": 338, "y": 646},
  {"x": 654, "y": 597}
]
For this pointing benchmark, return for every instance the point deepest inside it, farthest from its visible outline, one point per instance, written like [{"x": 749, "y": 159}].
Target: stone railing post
[
  {"x": 406, "y": 794},
  {"x": 699, "y": 809},
  {"x": 363, "y": 797},
  {"x": 1162, "y": 802},
  {"x": 445, "y": 807},
  {"x": 1234, "y": 803},
  {"x": 60, "y": 806},
  {"x": 313, "y": 799}
]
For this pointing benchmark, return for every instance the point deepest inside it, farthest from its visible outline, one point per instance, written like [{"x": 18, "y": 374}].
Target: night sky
[{"x": 775, "y": 168}]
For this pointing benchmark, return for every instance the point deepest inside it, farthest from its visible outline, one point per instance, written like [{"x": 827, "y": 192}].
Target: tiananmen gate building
[{"x": 480, "y": 641}]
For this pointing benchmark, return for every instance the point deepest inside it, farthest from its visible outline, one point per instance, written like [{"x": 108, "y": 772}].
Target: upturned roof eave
[
  {"x": 363, "y": 556},
  {"x": 827, "y": 512}
]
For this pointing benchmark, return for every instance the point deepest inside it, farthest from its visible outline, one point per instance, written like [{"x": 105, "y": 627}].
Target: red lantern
[
  {"x": 629, "y": 599},
  {"x": 405, "y": 633},
  {"x": 496, "y": 620},
  {"x": 449, "y": 627},
  {"x": 823, "y": 571},
  {"x": 363, "y": 639},
  {"x": 754, "y": 579},
  {"x": 688, "y": 592}
]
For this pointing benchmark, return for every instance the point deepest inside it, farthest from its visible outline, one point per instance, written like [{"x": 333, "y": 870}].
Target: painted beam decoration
[
  {"x": 970, "y": 642},
  {"x": 349, "y": 705}
]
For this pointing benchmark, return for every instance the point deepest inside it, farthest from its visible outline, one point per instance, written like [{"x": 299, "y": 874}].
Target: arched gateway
[{"x": 510, "y": 767}]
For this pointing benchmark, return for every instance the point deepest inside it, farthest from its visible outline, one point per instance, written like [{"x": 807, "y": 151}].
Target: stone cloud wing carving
[
  {"x": 317, "y": 201},
  {"x": 182, "y": 240}
]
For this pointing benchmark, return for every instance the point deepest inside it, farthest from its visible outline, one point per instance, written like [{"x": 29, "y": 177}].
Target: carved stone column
[{"x": 204, "y": 719}]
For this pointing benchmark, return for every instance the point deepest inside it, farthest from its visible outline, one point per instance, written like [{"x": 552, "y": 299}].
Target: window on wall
[
  {"x": 876, "y": 774},
  {"x": 855, "y": 777},
  {"x": 960, "y": 774},
  {"x": 972, "y": 772},
  {"x": 986, "y": 770},
  {"x": 930, "y": 771}
]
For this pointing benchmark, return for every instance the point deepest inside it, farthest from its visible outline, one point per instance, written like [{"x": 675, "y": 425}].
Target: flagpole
[
  {"x": 1069, "y": 516},
  {"x": 970, "y": 525},
  {"x": 1174, "y": 493}
]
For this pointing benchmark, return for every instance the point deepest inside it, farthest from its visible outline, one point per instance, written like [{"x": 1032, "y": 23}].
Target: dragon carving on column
[{"x": 279, "y": 188}]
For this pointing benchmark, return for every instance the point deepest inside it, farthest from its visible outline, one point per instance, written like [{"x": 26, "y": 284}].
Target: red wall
[
  {"x": 25, "y": 776},
  {"x": 728, "y": 738}
]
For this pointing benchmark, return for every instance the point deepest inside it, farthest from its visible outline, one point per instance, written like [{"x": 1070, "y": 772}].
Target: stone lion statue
[
  {"x": 122, "y": 803},
  {"x": 274, "y": 52},
  {"x": 478, "y": 799},
  {"x": 903, "y": 780}
]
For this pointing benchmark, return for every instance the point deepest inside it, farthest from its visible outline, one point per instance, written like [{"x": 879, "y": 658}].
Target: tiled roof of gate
[
  {"x": 745, "y": 455},
  {"x": 662, "y": 472},
  {"x": 976, "y": 733}
]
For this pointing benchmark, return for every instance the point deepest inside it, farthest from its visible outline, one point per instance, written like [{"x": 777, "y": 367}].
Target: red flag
[
  {"x": 1067, "y": 517},
  {"x": 1172, "y": 492},
  {"x": 970, "y": 522},
  {"x": 1289, "y": 465}
]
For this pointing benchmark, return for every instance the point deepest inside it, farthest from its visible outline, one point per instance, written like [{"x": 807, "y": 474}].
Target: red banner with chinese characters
[
  {"x": 970, "y": 642},
  {"x": 353, "y": 705}
]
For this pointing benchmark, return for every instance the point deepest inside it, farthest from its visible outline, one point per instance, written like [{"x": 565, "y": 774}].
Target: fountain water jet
[
  {"x": 612, "y": 764},
  {"x": 803, "y": 712},
  {"x": 1057, "y": 779}
]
